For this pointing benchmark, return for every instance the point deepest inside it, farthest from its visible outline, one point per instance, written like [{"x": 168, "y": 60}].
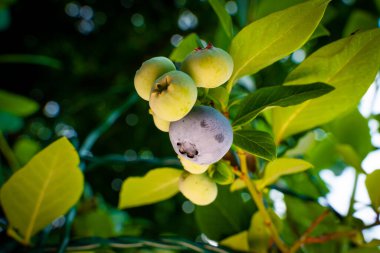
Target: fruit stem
[{"x": 257, "y": 197}]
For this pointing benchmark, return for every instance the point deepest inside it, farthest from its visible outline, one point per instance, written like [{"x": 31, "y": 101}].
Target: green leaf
[
  {"x": 219, "y": 96},
  {"x": 188, "y": 44},
  {"x": 259, "y": 235},
  {"x": 359, "y": 20},
  {"x": 321, "y": 31},
  {"x": 157, "y": 185},
  {"x": 300, "y": 214},
  {"x": 281, "y": 167},
  {"x": 224, "y": 17},
  {"x": 263, "y": 8},
  {"x": 25, "y": 148},
  {"x": 352, "y": 129},
  {"x": 43, "y": 189},
  {"x": 222, "y": 173},
  {"x": 255, "y": 142},
  {"x": 349, "y": 139},
  {"x": 350, "y": 156},
  {"x": 31, "y": 59},
  {"x": 238, "y": 242},
  {"x": 372, "y": 184},
  {"x": 226, "y": 216},
  {"x": 282, "y": 96},
  {"x": 349, "y": 64},
  {"x": 267, "y": 40},
  {"x": 221, "y": 40},
  {"x": 365, "y": 250},
  {"x": 5, "y": 18},
  {"x": 377, "y": 2},
  {"x": 323, "y": 153},
  {"x": 95, "y": 223},
  {"x": 16, "y": 104},
  {"x": 10, "y": 123}
]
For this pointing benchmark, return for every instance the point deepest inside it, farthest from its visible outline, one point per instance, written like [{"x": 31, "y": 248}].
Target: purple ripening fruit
[{"x": 203, "y": 136}]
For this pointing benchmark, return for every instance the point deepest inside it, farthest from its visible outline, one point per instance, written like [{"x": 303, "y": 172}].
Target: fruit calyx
[
  {"x": 162, "y": 86},
  {"x": 209, "y": 46},
  {"x": 187, "y": 148}
]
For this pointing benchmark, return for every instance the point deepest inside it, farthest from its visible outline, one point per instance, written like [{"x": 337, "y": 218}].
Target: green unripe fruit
[
  {"x": 209, "y": 67},
  {"x": 173, "y": 95},
  {"x": 222, "y": 173},
  {"x": 161, "y": 124},
  {"x": 149, "y": 71},
  {"x": 193, "y": 168},
  {"x": 199, "y": 189}
]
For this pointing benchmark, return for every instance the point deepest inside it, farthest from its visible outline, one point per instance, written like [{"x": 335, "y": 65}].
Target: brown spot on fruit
[
  {"x": 219, "y": 137},
  {"x": 204, "y": 124}
]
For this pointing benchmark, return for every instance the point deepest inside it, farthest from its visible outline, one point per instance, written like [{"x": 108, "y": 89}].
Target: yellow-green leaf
[
  {"x": 237, "y": 241},
  {"x": 223, "y": 16},
  {"x": 372, "y": 184},
  {"x": 16, "y": 104},
  {"x": 188, "y": 44},
  {"x": 349, "y": 64},
  {"x": 44, "y": 189},
  {"x": 271, "y": 38},
  {"x": 257, "y": 143},
  {"x": 320, "y": 32},
  {"x": 25, "y": 148},
  {"x": 157, "y": 185},
  {"x": 259, "y": 235},
  {"x": 281, "y": 167},
  {"x": 237, "y": 185},
  {"x": 359, "y": 20}
]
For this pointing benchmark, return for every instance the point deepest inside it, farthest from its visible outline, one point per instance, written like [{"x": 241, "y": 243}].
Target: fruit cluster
[{"x": 200, "y": 134}]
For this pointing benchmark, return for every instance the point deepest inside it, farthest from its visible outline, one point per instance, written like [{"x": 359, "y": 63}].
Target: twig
[
  {"x": 305, "y": 236},
  {"x": 257, "y": 197},
  {"x": 330, "y": 236},
  {"x": 8, "y": 153}
]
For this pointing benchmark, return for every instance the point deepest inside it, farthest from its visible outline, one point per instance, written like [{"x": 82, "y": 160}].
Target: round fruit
[
  {"x": 191, "y": 167},
  {"x": 173, "y": 95},
  {"x": 204, "y": 136},
  {"x": 199, "y": 189},
  {"x": 161, "y": 124},
  {"x": 149, "y": 71},
  {"x": 209, "y": 67}
]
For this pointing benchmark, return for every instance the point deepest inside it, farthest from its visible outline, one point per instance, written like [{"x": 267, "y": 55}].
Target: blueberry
[{"x": 203, "y": 136}]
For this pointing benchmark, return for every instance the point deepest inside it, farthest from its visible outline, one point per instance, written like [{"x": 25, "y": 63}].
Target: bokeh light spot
[
  {"x": 187, "y": 20},
  {"x": 72, "y": 9},
  {"x": 188, "y": 207},
  {"x": 298, "y": 56},
  {"x": 137, "y": 20},
  {"x": 51, "y": 109},
  {"x": 231, "y": 7}
]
